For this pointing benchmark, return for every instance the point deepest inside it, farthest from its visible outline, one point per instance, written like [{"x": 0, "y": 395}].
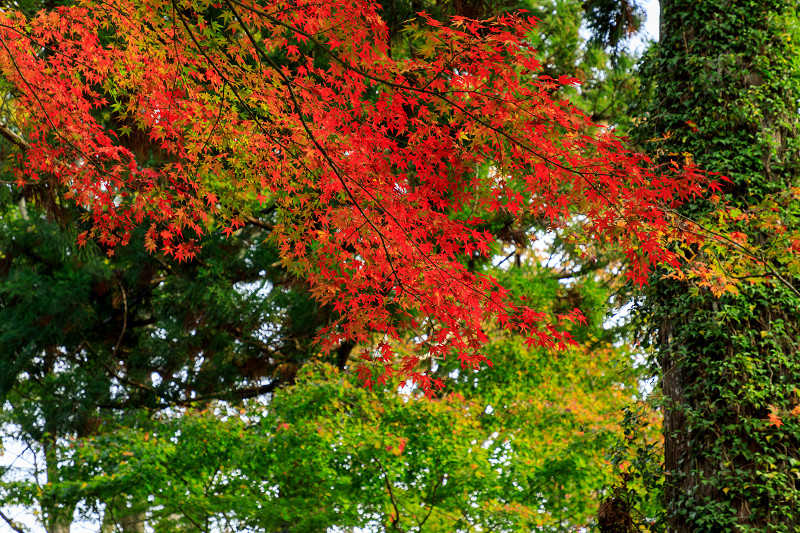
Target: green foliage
[
  {"x": 89, "y": 340},
  {"x": 608, "y": 83},
  {"x": 328, "y": 452}
]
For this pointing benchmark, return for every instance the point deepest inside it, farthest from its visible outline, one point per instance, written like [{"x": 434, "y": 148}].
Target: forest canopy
[{"x": 317, "y": 266}]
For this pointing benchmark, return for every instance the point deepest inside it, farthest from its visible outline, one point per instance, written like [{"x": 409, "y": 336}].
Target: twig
[
  {"x": 396, "y": 518},
  {"x": 432, "y": 503},
  {"x": 743, "y": 249},
  {"x": 124, "y": 316},
  {"x": 13, "y": 525}
]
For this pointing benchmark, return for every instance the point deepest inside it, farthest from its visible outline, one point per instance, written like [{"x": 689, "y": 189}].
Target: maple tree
[
  {"x": 368, "y": 159},
  {"x": 99, "y": 364},
  {"x": 101, "y": 342}
]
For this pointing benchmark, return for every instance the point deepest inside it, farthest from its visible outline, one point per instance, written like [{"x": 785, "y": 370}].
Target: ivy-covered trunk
[{"x": 724, "y": 86}]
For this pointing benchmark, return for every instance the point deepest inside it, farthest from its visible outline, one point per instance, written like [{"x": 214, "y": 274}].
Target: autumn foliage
[{"x": 380, "y": 168}]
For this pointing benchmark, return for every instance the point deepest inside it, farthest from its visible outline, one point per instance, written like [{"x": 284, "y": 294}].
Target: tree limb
[{"x": 14, "y": 138}]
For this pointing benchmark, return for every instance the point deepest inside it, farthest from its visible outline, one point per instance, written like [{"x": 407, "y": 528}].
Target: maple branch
[
  {"x": 232, "y": 86},
  {"x": 316, "y": 143},
  {"x": 42, "y": 107},
  {"x": 437, "y": 94},
  {"x": 506, "y": 259},
  {"x": 219, "y": 116},
  {"x": 257, "y": 222},
  {"x": 337, "y": 170},
  {"x": 422, "y": 90},
  {"x": 14, "y": 138},
  {"x": 91, "y": 161},
  {"x": 48, "y": 48},
  {"x": 585, "y": 269},
  {"x": 743, "y": 249}
]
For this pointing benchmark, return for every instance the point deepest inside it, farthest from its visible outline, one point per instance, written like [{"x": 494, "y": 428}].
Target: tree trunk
[
  {"x": 730, "y": 70},
  {"x": 58, "y": 514},
  {"x": 119, "y": 518}
]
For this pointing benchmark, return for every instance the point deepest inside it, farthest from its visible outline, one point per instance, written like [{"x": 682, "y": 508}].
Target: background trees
[{"x": 101, "y": 389}]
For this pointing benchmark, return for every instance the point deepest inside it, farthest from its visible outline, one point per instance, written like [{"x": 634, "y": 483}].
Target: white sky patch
[{"x": 651, "y": 26}]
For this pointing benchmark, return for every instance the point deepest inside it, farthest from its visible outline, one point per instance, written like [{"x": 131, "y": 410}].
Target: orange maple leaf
[{"x": 774, "y": 420}]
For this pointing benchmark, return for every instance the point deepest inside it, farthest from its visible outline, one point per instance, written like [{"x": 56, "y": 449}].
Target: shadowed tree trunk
[{"x": 58, "y": 513}]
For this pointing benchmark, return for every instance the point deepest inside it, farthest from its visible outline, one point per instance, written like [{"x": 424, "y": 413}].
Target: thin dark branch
[
  {"x": 257, "y": 222},
  {"x": 769, "y": 269},
  {"x": 432, "y": 502},
  {"x": 506, "y": 259},
  {"x": 190, "y": 519},
  {"x": 287, "y": 82},
  {"x": 244, "y": 394},
  {"x": 232, "y": 86},
  {"x": 124, "y": 316},
  {"x": 396, "y": 519},
  {"x": 130, "y": 382},
  {"x": 13, "y": 525}
]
